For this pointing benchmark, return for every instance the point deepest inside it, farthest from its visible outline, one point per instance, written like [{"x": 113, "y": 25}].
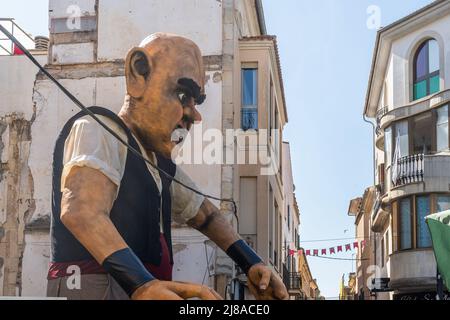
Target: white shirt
[{"x": 90, "y": 145}]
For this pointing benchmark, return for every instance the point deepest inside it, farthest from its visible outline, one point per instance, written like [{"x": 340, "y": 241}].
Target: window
[
  {"x": 425, "y": 133},
  {"x": 421, "y": 134},
  {"x": 249, "y": 111},
  {"x": 423, "y": 209},
  {"x": 426, "y": 69},
  {"x": 442, "y": 203},
  {"x": 411, "y": 219},
  {"x": 405, "y": 224},
  {"x": 388, "y": 145},
  {"x": 442, "y": 129},
  {"x": 382, "y": 252},
  {"x": 401, "y": 140}
]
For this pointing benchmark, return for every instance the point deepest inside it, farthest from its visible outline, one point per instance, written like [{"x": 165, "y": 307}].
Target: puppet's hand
[
  {"x": 266, "y": 285},
  {"x": 173, "y": 290}
]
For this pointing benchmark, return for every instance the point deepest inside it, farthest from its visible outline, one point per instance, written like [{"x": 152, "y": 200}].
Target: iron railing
[
  {"x": 409, "y": 169},
  {"x": 6, "y": 45},
  {"x": 291, "y": 280},
  {"x": 380, "y": 114}
]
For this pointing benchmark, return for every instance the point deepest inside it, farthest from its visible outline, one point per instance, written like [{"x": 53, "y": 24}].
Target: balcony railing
[
  {"x": 7, "y": 47},
  {"x": 292, "y": 280},
  {"x": 409, "y": 169},
  {"x": 380, "y": 114}
]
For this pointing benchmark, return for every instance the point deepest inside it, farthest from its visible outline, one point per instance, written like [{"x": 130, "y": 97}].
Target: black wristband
[
  {"x": 126, "y": 268},
  {"x": 243, "y": 255}
]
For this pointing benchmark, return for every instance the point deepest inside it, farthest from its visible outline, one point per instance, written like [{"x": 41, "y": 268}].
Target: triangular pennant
[{"x": 363, "y": 244}]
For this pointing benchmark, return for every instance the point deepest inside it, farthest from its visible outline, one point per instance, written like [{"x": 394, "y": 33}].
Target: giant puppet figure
[{"x": 112, "y": 211}]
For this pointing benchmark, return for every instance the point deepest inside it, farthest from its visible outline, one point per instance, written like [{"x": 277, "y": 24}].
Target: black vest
[{"x": 135, "y": 213}]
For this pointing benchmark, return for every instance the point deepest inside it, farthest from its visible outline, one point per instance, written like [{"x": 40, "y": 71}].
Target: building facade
[
  {"x": 361, "y": 209},
  {"x": 89, "y": 40},
  {"x": 407, "y": 99}
]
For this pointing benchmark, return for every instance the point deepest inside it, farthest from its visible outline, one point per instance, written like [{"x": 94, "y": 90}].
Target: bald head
[{"x": 166, "y": 80}]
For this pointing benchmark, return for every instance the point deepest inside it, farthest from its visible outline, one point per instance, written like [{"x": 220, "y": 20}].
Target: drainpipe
[
  {"x": 373, "y": 149},
  {"x": 260, "y": 14},
  {"x": 372, "y": 234}
]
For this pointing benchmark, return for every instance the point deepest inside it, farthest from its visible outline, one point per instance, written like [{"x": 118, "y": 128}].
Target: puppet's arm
[
  {"x": 263, "y": 283},
  {"x": 87, "y": 199}
]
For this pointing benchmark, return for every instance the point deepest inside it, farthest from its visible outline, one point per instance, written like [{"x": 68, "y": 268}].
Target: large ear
[{"x": 138, "y": 69}]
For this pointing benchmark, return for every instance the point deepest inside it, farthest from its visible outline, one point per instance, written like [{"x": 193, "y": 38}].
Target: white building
[{"x": 408, "y": 96}]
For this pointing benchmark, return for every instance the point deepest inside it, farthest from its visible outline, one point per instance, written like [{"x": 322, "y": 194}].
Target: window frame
[
  {"x": 410, "y": 122},
  {"x": 432, "y": 198},
  {"x": 428, "y": 76},
  {"x": 256, "y": 88}
]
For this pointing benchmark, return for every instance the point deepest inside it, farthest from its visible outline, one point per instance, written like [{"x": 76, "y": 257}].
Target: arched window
[{"x": 426, "y": 69}]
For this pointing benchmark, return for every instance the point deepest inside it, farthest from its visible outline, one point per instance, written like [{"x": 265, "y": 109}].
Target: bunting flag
[{"x": 333, "y": 250}]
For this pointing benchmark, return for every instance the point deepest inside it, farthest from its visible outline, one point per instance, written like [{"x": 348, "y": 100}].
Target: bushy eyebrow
[{"x": 193, "y": 89}]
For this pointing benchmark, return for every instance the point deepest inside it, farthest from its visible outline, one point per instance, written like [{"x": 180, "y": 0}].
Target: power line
[
  {"x": 342, "y": 259},
  {"x": 340, "y": 239}
]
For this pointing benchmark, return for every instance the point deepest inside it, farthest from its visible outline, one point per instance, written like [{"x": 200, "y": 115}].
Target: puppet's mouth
[{"x": 179, "y": 135}]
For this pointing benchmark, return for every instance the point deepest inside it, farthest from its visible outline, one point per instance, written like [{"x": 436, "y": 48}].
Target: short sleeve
[
  {"x": 185, "y": 203},
  {"x": 90, "y": 145}
]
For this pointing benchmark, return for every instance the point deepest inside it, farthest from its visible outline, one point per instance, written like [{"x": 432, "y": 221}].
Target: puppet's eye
[{"x": 183, "y": 97}]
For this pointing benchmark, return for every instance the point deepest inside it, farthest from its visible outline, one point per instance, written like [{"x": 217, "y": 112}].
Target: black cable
[
  {"x": 342, "y": 259},
  {"x": 115, "y": 135}
]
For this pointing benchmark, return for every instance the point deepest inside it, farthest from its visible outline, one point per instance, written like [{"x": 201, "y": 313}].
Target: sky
[{"x": 326, "y": 52}]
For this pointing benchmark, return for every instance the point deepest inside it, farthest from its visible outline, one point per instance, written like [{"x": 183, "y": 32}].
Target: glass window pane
[
  {"x": 249, "y": 118},
  {"x": 442, "y": 137},
  {"x": 442, "y": 129},
  {"x": 421, "y": 62},
  {"x": 401, "y": 136},
  {"x": 422, "y": 135},
  {"x": 405, "y": 224},
  {"x": 420, "y": 89},
  {"x": 443, "y": 203},
  {"x": 388, "y": 145},
  {"x": 434, "y": 84},
  {"x": 433, "y": 56},
  {"x": 423, "y": 209},
  {"x": 249, "y": 85}
]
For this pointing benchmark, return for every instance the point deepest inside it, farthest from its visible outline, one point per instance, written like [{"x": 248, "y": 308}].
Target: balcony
[
  {"x": 407, "y": 170},
  {"x": 7, "y": 47},
  {"x": 292, "y": 281},
  {"x": 413, "y": 270},
  {"x": 385, "y": 117},
  {"x": 418, "y": 174}
]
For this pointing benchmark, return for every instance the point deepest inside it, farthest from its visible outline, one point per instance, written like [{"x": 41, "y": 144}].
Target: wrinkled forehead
[{"x": 175, "y": 58}]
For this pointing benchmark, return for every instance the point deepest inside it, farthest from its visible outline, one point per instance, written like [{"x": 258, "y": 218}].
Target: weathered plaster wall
[{"x": 17, "y": 203}]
